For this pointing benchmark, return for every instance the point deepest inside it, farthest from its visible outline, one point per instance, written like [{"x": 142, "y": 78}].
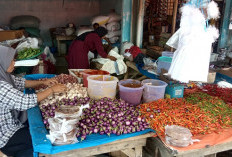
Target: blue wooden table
[{"x": 94, "y": 143}]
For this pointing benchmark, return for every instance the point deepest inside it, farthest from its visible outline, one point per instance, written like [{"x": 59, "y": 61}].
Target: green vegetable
[{"x": 27, "y": 53}]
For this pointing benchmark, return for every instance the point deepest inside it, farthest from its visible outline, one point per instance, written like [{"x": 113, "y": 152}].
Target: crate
[
  {"x": 174, "y": 91},
  {"x": 71, "y": 72},
  {"x": 163, "y": 63},
  {"x": 10, "y": 34}
]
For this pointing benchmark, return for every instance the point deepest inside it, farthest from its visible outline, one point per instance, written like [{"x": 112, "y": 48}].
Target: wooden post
[{"x": 174, "y": 18}]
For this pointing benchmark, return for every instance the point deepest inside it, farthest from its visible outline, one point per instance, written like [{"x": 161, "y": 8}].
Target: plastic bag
[
  {"x": 49, "y": 55},
  {"x": 125, "y": 45},
  {"x": 113, "y": 26},
  {"x": 112, "y": 34},
  {"x": 82, "y": 30},
  {"x": 28, "y": 42},
  {"x": 63, "y": 127},
  {"x": 173, "y": 41},
  {"x": 114, "y": 17},
  {"x": 101, "y": 20},
  {"x": 178, "y": 136},
  {"x": 70, "y": 111}
]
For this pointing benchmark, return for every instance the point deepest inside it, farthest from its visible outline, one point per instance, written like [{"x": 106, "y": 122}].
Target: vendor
[
  {"x": 14, "y": 132},
  {"x": 89, "y": 41}
]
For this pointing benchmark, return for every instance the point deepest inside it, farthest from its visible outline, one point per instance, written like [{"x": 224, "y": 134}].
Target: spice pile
[
  {"x": 223, "y": 93},
  {"x": 193, "y": 114}
]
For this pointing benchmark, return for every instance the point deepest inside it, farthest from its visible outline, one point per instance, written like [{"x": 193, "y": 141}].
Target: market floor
[{"x": 61, "y": 65}]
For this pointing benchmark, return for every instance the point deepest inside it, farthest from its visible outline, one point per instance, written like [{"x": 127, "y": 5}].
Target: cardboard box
[
  {"x": 211, "y": 77},
  {"x": 10, "y": 34}
]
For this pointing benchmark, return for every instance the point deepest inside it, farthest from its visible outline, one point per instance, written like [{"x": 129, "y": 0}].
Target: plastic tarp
[
  {"x": 146, "y": 73},
  {"x": 212, "y": 139},
  {"x": 206, "y": 140},
  {"x": 38, "y": 131}
]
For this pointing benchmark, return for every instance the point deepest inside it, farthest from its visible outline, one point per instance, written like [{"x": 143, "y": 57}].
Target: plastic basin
[
  {"x": 129, "y": 94},
  {"x": 90, "y": 72},
  {"x": 153, "y": 90},
  {"x": 101, "y": 86}
]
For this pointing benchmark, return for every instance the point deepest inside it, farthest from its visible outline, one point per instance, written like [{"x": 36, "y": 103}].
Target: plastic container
[
  {"x": 164, "y": 63},
  {"x": 89, "y": 72},
  {"x": 101, "y": 86},
  {"x": 174, "y": 91},
  {"x": 167, "y": 54},
  {"x": 131, "y": 95},
  {"x": 153, "y": 90},
  {"x": 74, "y": 73}
]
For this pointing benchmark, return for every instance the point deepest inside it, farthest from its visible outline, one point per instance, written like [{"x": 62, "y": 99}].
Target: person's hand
[
  {"x": 58, "y": 88},
  {"x": 50, "y": 82},
  {"x": 112, "y": 58}
]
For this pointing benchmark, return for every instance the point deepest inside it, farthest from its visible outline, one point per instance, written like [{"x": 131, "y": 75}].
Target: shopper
[
  {"x": 89, "y": 41},
  {"x": 15, "y": 137}
]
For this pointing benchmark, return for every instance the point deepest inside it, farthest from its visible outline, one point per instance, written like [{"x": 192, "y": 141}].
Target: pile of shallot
[{"x": 104, "y": 116}]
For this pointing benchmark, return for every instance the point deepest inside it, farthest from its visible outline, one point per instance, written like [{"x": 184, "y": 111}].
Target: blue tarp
[
  {"x": 146, "y": 73},
  {"x": 38, "y": 132},
  {"x": 221, "y": 77}
]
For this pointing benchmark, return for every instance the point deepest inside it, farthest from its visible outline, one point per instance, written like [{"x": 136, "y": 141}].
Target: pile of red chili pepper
[
  {"x": 223, "y": 93},
  {"x": 199, "y": 112}
]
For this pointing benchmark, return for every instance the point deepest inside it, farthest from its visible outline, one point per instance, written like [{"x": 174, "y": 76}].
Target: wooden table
[
  {"x": 133, "y": 71},
  {"x": 155, "y": 145},
  {"x": 132, "y": 147},
  {"x": 61, "y": 38}
]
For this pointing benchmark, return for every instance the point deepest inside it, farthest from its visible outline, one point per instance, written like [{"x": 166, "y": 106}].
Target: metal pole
[{"x": 139, "y": 38}]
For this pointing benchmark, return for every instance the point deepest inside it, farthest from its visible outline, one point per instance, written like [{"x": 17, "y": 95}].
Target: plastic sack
[
  {"x": 49, "y": 55},
  {"x": 70, "y": 111},
  {"x": 24, "y": 21},
  {"x": 114, "y": 17},
  {"x": 63, "y": 127},
  {"x": 112, "y": 34},
  {"x": 58, "y": 138},
  {"x": 101, "y": 20},
  {"x": 114, "y": 39},
  {"x": 28, "y": 42},
  {"x": 125, "y": 45},
  {"x": 113, "y": 26},
  {"x": 82, "y": 30},
  {"x": 173, "y": 41},
  {"x": 178, "y": 136}
]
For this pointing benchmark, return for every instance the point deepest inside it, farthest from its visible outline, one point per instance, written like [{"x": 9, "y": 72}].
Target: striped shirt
[{"x": 13, "y": 99}]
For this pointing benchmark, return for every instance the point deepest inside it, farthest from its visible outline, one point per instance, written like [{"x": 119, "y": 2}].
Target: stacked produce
[
  {"x": 194, "y": 115},
  {"x": 223, "y": 93},
  {"x": 73, "y": 90},
  {"x": 48, "y": 111},
  {"x": 104, "y": 116},
  {"x": 62, "y": 78},
  {"x": 216, "y": 106},
  {"x": 27, "y": 53},
  {"x": 111, "y": 116}
]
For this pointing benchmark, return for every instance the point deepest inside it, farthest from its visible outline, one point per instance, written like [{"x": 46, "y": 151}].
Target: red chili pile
[
  {"x": 223, "y": 93},
  {"x": 200, "y": 113}
]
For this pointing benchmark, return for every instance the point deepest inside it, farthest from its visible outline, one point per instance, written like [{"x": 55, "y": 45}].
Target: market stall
[{"x": 91, "y": 144}]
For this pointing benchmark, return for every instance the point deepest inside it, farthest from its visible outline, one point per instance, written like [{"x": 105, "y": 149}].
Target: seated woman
[
  {"x": 79, "y": 49},
  {"x": 15, "y": 137}
]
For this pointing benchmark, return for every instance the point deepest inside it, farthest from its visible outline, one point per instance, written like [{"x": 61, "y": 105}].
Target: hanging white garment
[{"x": 192, "y": 56}]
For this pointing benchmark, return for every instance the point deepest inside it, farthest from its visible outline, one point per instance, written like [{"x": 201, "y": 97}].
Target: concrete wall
[
  {"x": 52, "y": 13},
  {"x": 107, "y": 5}
]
